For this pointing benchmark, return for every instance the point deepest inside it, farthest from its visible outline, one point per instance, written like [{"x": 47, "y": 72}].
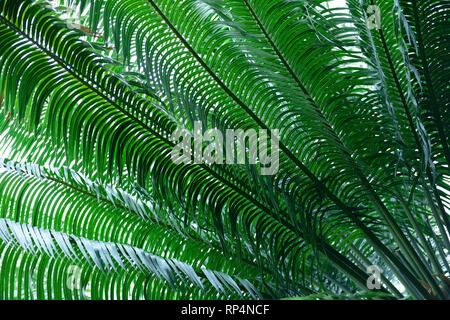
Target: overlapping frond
[{"x": 90, "y": 108}]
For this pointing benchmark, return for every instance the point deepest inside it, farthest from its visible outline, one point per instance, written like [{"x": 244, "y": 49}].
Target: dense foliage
[{"x": 93, "y": 207}]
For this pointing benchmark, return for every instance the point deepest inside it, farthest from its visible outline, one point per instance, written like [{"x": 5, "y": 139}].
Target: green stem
[{"x": 423, "y": 240}]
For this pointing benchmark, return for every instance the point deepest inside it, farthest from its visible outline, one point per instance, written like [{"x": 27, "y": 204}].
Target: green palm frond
[
  {"x": 71, "y": 218},
  {"x": 92, "y": 91}
]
